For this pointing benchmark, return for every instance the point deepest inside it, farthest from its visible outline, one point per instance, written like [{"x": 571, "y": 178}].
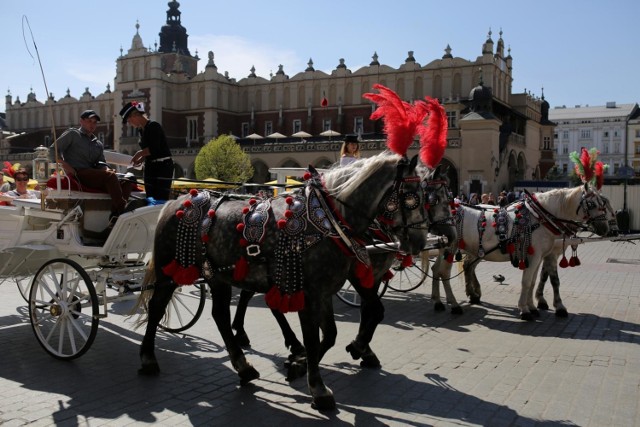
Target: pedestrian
[
  {"x": 21, "y": 192},
  {"x": 81, "y": 155},
  {"x": 154, "y": 151},
  {"x": 350, "y": 151},
  {"x": 473, "y": 199}
]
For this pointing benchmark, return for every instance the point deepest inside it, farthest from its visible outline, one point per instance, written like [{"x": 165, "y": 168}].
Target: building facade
[
  {"x": 613, "y": 129},
  {"x": 495, "y": 137}
]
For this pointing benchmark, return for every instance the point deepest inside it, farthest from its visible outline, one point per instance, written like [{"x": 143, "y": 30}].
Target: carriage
[{"x": 69, "y": 267}]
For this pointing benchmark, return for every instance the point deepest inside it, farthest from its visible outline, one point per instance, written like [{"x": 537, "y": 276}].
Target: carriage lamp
[
  {"x": 41, "y": 170},
  {"x": 41, "y": 165}
]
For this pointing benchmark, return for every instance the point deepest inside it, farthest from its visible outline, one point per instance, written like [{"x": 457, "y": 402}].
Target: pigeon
[{"x": 498, "y": 278}]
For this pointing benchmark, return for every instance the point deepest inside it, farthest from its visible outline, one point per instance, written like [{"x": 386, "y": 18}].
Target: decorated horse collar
[{"x": 554, "y": 224}]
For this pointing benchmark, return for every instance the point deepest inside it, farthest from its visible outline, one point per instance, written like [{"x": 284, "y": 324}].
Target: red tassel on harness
[
  {"x": 272, "y": 298},
  {"x": 365, "y": 274},
  {"x": 387, "y": 276},
  {"x": 522, "y": 265},
  {"x": 572, "y": 261},
  {"x": 284, "y": 303},
  {"x": 240, "y": 272},
  {"x": 450, "y": 257},
  {"x": 462, "y": 244},
  {"x": 186, "y": 276},
  {"x": 577, "y": 262},
  {"x": 170, "y": 268},
  {"x": 407, "y": 261},
  {"x": 564, "y": 263},
  {"x": 511, "y": 248},
  {"x": 296, "y": 302}
]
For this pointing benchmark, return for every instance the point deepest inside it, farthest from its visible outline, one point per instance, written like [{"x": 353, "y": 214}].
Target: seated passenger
[
  {"x": 81, "y": 154},
  {"x": 21, "y": 192}
]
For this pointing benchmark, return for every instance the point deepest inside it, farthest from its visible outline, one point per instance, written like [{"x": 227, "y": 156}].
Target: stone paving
[{"x": 482, "y": 368}]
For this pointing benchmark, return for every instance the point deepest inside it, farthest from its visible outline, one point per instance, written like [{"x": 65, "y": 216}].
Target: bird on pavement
[{"x": 498, "y": 278}]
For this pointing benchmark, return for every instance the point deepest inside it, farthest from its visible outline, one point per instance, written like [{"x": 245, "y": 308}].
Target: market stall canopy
[
  {"x": 329, "y": 133},
  {"x": 254, "y": 136},
  {"x": 276, "y": 135}
]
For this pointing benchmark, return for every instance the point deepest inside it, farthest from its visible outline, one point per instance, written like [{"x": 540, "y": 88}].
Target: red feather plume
[
  {"x": 401, "y": 119},
  {"x": 433, "y": 136},
  {"x": 599, "y": 175},
  {"x": 585, "y": 159}
]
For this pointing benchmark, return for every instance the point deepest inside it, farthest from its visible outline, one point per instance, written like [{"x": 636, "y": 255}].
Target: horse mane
[
  {"x": 562, "y": 202},
  {"x": 345, "y": 180}
]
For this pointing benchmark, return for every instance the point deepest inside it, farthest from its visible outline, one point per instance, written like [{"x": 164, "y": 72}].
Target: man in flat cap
[{"x": 81, "y": 155}]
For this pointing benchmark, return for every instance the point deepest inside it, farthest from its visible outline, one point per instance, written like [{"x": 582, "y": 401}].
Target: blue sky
[{"x": 581, "y": 52}]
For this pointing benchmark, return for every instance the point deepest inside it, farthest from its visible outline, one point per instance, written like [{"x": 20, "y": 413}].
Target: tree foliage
[{"x": 222, "y": 158}]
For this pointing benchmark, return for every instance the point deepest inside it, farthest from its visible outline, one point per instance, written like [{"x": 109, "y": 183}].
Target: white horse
[{"x": 524, "y": 233}]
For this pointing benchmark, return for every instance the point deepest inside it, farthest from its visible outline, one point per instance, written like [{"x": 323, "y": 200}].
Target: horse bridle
[
  {"x": 587, "y": 204},
  {"x": 430, "y": 189}
]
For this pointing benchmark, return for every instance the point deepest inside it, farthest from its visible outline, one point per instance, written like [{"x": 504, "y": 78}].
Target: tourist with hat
[
  {"x": 154, "y": 151},
  {"x": 81, "y": 155},
  {"x": 350, "y": 151}
]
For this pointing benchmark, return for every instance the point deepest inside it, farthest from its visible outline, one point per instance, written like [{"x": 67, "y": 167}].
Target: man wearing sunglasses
[
  {"x": 81, "y": 155},
  {"x": 21, "y": 192}
]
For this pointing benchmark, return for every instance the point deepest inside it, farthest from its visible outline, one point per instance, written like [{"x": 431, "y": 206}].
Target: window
[
  {"x": 245, "y": 130},
  {"x": 358, "y": 125},
  {"x": 605, "y": 148},
  {"x": 637, "y": 133},
  {"x": 585, "y": 133},
  {"x": 546, "y": 142},
  {"x": 565, "y": 134},
  {"x": 297, "y": 125},
  {"x": 605, "y": 134},
  {"x": 192, "y": 130},
  {"x": 616, "y": 148},
  {"x": 47, "y": 141},
  {"x": 452, "y": 119},
  {"x": 268, "y": 127},
  {"x": 565, "y": 169},
  {"x": 565, "y": 149},
  {"x": 326, "y": 124}
]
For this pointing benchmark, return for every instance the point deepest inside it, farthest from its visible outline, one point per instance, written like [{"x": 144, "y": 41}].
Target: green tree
[{"x": 222, "y": 158}]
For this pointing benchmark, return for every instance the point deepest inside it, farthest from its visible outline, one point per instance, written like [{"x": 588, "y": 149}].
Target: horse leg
[
  {"x": 296, "y": 363},
  {"x": 472, "y": 285},
  {"x": 322, "y": 396},
  {"x": 525, "y": 303},
  {"x": 435, "y": 283},
  {"x": 156, "y": 310},
  {"x": 544, "y": 275},
  {"x": 442, "y": 271},
  {"x": 221, "y": 297},
  {"x": 561, "y": 310},
  {"x": 238, "y": 320},
  {"x": 371, "y": 314}
]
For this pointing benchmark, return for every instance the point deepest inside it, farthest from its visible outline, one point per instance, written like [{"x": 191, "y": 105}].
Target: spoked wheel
[
  {"x": 407, "y": 279},
  {"x": 185, "y": 307},
  {"x": 63, "y": 308},
  {"x": 350, "y": 296}
]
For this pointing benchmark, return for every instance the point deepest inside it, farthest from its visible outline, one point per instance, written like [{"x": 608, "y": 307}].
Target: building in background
[
  {"x": 495, "y": 137},
  {"x": 613, "y": 129}
]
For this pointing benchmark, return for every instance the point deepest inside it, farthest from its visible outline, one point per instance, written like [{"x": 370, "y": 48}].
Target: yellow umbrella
[
  {"x": 30, "y": 185},
  {"x": 290, "y": 181},
  {"x": 187, "y": 184}
]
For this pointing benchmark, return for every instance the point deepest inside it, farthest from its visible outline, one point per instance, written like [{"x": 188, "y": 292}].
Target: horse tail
[{"x": 146, "y": 293}]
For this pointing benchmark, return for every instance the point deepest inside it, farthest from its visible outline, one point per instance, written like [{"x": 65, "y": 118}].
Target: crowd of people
[{"x": 504, "y": 198}]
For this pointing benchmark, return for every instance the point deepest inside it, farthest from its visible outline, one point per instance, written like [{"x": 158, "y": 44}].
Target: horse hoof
[
  {"x": 543, "y": 306},
  {"x": 324, "y": 403},
  {"x": 526, "y": 316},
  {"x": 563, "y": 313},
  {"x": 243, "y": 340},
  {"x": 295, "y": 369},
  {"x": 247, "y": 375},
  {"x": 474, "y": 300},
  {"x": 535, "y": 313},
  {"x": 149, "y": 370},
  {"x": 439, "y": 306},
  {"x": 297, "y": 351},
  {"x": 456, "y": 310},
  {"x": 370, "y": 361},
  {"x": 353, "y": 349}
]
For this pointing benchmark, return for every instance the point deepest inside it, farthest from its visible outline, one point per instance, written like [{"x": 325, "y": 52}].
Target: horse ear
[{"x": 312, "y": 170}]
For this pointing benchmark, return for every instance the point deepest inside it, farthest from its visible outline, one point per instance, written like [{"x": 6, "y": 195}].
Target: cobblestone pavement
[{"x": 484, "y": 367}]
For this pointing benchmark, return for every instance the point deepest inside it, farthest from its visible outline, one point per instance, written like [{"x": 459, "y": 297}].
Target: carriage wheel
[
  {"x": 350, "y": 296},
  {"x": 407, "y": 279},
  {"x": 185, "y": 308},
  {"x": 63, "y": 308}
]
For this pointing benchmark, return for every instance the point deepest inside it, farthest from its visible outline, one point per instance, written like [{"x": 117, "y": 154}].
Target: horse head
[
  {"x": 595, "y": 209},
  {"x": 438, "y": 202}
]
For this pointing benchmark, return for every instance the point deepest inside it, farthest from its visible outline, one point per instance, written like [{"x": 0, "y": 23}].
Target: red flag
[{"x": 324, "y": 102}]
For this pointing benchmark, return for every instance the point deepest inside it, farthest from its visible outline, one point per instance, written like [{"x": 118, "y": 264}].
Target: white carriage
[{"x": 69, "y": 267}]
